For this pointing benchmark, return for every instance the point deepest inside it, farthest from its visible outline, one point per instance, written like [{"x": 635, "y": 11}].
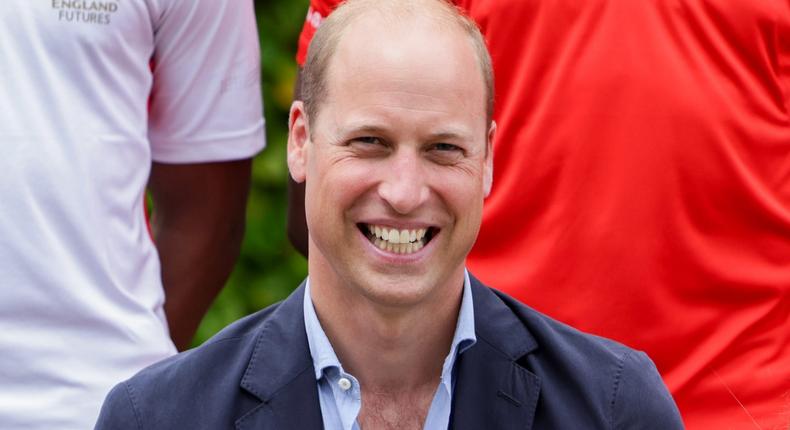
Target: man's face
[{"x": 396, "y": 164}]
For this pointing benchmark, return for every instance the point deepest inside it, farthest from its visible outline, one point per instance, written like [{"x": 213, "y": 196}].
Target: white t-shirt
[{"x": 80, "y": 290}]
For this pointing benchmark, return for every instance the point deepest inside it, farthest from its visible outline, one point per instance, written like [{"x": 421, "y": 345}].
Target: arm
[
  {"x": 641, "y": 400},
  {"x": 198, "y": 224},
  {"x": 118, "y": 411},
  {"x": 205, "y": 109}
]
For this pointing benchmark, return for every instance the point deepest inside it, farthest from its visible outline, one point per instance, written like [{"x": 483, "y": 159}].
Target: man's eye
[
  {"x": 367, "y": 139},
  {"x": 446, "y": 153},
  {"x": 369, "y": 146},
  {"x": 446, "y": 147}
]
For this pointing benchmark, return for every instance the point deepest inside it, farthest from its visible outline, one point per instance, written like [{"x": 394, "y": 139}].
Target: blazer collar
[
  {"x": 280, "y": 373},
  {"x": 492, "y": 389}
]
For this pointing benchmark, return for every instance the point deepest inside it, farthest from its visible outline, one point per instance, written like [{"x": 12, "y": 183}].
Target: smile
[{"x": 397, "y": 241}]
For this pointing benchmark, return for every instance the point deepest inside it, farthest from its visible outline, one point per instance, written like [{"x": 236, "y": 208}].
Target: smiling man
[{"x": 393, "y": 141}]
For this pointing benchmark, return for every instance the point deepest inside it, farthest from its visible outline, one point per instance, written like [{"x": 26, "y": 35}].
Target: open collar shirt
[{"x": 339, "y": 392}]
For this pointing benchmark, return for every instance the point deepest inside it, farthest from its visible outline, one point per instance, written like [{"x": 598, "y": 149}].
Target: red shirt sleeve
[{"x": 319, "y": 9}]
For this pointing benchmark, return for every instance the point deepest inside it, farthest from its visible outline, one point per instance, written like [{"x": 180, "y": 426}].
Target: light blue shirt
[{"x": 339, "y": 392}]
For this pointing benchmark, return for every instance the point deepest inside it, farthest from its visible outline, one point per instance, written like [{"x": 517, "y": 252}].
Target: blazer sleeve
[
  {"x": 119, "y": 411},
  {"x": 640, "y": 398}
]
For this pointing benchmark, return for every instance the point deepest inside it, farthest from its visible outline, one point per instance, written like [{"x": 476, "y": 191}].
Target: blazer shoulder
[
  {"x": 119, "y": 410},
  {"x": 599, "y": 376},
  {"x": 201, "y": 385},
  {"x": 556, "y": 335},
  {"x": 230, "y": 342},
  {"x": 640, "y": 399}
]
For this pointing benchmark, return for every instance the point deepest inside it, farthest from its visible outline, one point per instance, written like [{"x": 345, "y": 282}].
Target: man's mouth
[{"x": 398, "y": 241}]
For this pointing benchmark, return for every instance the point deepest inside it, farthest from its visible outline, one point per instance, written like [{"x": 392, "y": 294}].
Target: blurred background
[{"x": 268, "y": 268}]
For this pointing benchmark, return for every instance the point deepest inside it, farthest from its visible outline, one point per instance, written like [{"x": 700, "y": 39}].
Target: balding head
[{"x": 438, "y": 13}]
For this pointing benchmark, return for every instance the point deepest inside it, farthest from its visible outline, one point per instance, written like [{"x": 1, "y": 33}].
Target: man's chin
[{"x": 399, "y": 288}]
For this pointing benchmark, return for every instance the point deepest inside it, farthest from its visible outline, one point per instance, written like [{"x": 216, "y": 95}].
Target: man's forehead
[
  {"x": 404, "y": 55},
  {"x": 396, "y": 40}
]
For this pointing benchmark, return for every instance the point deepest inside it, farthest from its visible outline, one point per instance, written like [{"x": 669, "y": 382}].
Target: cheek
[
  {"x": 335, "y": 188},
  {"x": 465, "y": 202},
  {"x": 462, "y": 193}
]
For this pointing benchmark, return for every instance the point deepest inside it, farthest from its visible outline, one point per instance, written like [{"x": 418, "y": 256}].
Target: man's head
[
  {"x": 396, "y": 149},
  {"x": 324, "y": 44}
]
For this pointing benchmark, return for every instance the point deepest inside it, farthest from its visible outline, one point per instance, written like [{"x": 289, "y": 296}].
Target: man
[
  {"x": 393, "y": 140},
  {"x": 642, "y": 193},
  {"x": 92, "y": 92}
]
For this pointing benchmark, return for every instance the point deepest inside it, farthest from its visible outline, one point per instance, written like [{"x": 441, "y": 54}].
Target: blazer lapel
[
  {"x": 492, "y": 390},
  {"x": 280, "y": 373}
]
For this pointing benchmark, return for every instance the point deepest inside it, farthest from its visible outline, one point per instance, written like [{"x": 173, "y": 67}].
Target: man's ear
[
  {"x": 488, "y": 170},
  {"x": 298, "y": 137}
]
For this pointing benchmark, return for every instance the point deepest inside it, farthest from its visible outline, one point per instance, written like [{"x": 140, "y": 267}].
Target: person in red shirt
[{"x": 642, "y": 185}]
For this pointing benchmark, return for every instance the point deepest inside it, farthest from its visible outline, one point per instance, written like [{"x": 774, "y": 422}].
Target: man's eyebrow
[
  {"x": 451, "y": 133},
  {"x": 364, "y": 129}
]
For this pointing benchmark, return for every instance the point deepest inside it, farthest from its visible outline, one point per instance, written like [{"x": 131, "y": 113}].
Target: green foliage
[{"x": 268, "y": 268}]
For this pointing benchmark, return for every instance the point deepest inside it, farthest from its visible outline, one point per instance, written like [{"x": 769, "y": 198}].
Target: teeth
[
  {"x": 397, "y": 241},
  {"x": 397, "y": 236}
]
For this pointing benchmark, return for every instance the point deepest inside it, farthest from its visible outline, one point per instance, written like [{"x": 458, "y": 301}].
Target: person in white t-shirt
[{"x": 102, "y": 98}]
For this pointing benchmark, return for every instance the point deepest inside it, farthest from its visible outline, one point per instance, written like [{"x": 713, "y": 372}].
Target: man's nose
[{"x": 404, "y": 184}]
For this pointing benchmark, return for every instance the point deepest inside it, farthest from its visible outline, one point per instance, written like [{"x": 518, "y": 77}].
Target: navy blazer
[{"x": 526, "y": 371}]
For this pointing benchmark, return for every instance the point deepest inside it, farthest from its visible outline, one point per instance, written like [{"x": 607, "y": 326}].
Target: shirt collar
[
  {"x": 464, "y": 336},
  {"x": 324, "y": 356}
]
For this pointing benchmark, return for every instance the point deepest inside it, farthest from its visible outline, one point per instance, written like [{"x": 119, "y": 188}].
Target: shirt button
[{"x": 344, "y": 384}]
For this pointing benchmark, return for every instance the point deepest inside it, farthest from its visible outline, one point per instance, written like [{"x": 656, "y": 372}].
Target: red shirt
[{"x": 642, "y": 185}]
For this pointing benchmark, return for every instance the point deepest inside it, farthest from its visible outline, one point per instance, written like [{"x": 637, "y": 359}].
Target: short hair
[{"x": 324, "y": 44}]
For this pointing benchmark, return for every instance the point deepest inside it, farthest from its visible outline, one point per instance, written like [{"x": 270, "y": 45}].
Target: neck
[{"x": 388, "y": 348}]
